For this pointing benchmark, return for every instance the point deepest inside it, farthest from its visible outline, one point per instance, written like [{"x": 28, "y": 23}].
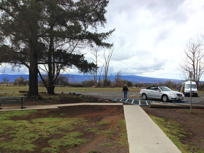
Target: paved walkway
[
  {"x": 144, "y": 136},
  {"x": 54, "y": 106}
]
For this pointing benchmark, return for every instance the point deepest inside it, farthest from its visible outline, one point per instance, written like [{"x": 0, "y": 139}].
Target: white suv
[{"x": 161, "y": 92}]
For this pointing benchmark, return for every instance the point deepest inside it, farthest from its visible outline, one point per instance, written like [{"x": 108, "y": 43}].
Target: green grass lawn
[
  {"x": 21, "y": 134},
  {"x": 176, "y": 133},
  {"x": 49, "y": 131}
]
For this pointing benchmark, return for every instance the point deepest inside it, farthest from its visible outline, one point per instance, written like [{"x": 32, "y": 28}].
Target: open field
[
  {"x": 185, "y": 129},
  {"x": 14, "y": 90},
  {"x": 77, "y": 129},
  {"x": 104, "y": 93}
]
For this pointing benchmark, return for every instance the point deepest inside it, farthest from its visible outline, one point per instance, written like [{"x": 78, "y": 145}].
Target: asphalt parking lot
[
  {"x": 133, "y": 95},
  {"x": 196, "y": 100}
]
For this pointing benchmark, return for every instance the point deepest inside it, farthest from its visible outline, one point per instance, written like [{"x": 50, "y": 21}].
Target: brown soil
[
  {"x": 97, "y": 143},
  {"x": 192, "y": 123}
]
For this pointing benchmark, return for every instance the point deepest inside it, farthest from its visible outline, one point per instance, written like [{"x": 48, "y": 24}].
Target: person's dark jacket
[{"x": 125, "y": 89}]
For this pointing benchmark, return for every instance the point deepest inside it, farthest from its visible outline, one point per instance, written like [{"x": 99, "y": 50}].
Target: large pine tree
[
  {"x": 20, "y": 35},
  {"x": 46, "y": 33}
]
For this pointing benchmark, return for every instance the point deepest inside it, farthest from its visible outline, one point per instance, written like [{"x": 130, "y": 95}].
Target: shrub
[
  {"x": 120, "y": 83},
  {"x": 89, "y": 83},
  {"x": 106, "y": 83},
  {"x": 20, "y": 81},
  {"x": 62, "y": 80}
]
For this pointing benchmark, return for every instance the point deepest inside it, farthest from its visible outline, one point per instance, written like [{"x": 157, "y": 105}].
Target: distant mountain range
[{"x": 77, "y": 78}]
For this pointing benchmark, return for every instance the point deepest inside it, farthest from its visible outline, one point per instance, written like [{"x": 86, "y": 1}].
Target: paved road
[{"x": 198, "y": 100}]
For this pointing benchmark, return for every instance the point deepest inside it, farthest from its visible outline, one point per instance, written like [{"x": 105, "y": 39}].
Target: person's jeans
[{"x": 125, "y": 94}]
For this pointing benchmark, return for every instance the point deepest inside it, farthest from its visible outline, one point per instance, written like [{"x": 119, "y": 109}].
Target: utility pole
[{"x": 190, "y": 77}]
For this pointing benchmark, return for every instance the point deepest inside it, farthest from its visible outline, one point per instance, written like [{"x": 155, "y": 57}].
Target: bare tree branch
[
  {"x": 107, "y": 59},
  {"x": 194, "y": 60}
]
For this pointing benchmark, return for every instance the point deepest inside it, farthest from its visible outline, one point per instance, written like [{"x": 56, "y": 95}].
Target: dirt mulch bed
[
  {"x": 192, "y": 123},
  {"x": 69, "y": 98},
  {"x": 100, "y": 142}
]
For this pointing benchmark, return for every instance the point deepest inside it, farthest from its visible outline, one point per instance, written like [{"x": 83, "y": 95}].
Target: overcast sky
[{"x": 150, "y": 35}]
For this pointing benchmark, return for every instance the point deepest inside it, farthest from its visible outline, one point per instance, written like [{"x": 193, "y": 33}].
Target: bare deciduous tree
[
  {"x": 107, "y": 59},
  {"x": 118, "y": 79},
  {"x": 193, "y": 64},
  {"x": 95, "y": 53}
]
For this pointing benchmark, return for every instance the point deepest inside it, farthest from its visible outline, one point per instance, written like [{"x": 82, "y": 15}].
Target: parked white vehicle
[
  {"x": 189, "y": 86},
  {"x": 161, "y": 92}
]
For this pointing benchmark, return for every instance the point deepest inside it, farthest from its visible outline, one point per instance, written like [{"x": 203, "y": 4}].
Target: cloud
[
  {"x": 149, "y": 68},
  {"x": 151, "y": 35},
  {"x": 168, "y": 10},
  {"x": 137, "y": 65},
  {"x": 162, "y": 35},
  {"x": 11, "y": 69}
]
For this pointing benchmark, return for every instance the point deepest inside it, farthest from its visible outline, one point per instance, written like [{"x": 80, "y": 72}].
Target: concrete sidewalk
[
  {"x": 54, "y": 106},
  {"x": 144, "y": 136}
]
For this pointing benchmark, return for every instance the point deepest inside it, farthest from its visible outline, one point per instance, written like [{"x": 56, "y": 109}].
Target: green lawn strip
[
  {"x": 69, "y": 140},
  {"x": 22, "y": 135},
  {"x": 117, "y": 134},
  {"x": 10, "y": 114},
  {"x": 12, "y": 132},
  {"x": 14, "y": 90},
  {"x": 123, "y": 133},
  {"x": 103, "y": 122},
  {"x": 174, "y": 131}
]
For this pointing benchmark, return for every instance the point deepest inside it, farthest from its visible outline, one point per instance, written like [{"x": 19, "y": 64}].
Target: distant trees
[
  {"x": 118, "y": 80},
  {"x": 88, "y": 83},
  {"x": 20, "y": 81},
  {"x": 5, "y": 80},
  {"x": 194, "y": 60},
  {"x": 102, "y": 61},
  {"x": 62, "y": 80},
  {"x": 44, "y": 36}
]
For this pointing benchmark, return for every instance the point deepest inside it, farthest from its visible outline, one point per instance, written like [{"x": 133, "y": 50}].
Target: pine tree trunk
[
  {"x": 51, "y": 71},
  {"x": 33, "y": 76},
  {"x": 51, "y": 89}
]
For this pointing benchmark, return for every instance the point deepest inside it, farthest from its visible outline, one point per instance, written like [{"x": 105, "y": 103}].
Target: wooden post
[{"x": 22, "y": 100}]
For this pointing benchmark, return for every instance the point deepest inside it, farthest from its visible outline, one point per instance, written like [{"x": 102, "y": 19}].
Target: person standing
[{"x": 125, "y": 91}]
